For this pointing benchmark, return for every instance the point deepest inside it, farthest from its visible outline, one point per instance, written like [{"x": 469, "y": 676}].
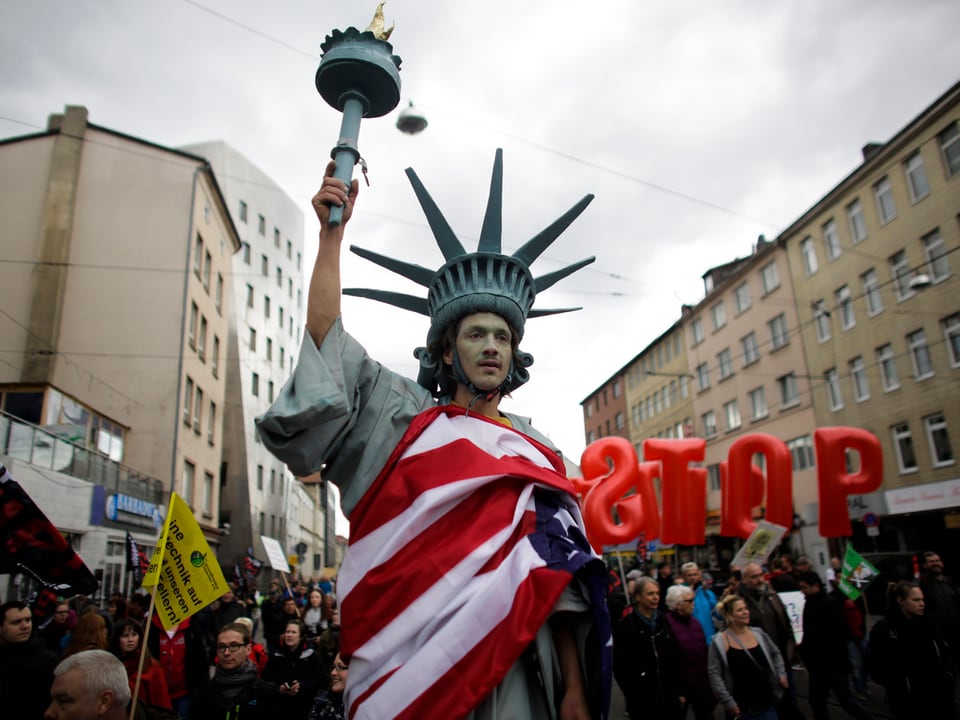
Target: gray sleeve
[
  {"x": 717, "y": 673},
  {"x": 341, "y": 411}
]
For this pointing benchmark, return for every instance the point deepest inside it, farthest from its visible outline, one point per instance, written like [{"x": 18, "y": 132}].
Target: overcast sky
[{"x": 698, "y": 126}]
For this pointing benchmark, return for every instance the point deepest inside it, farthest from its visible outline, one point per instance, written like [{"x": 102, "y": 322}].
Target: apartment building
[
  {"x": 117, "y": 278},
  {"x": 605, "y": 410},
  {"x": 874, "y": 267}
]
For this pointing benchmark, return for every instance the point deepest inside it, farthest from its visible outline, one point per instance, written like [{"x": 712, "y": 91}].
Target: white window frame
[
  {"x": 808, "y": 251},
  {"x": 206, "y": 494},
  {"x": 779, "y": 333},
  {"x": 858, "y": 376},
  {"x": 871, "y": 292},
  {"x": 902, "y": 437},
  {"x": 801, "y": 450},
  {"x": 858, "y": 225},
  {"x": 769, "y": 277},
  {"x": 696, "y": 329},
  {"x": 887, "y": 363},
  {"x": 834, "y": 393},
  {"x": 951, "y": 336},
  {"x": 719, "y": 314},
  {"x": 188, "y": 480},
  {"x": 949, "y": 139},
  {"x": 789, "y": 390},
  {"x": 703, "y": 377},
  {"x": 883, "y": 195},
  {"x": 709, "y": 419},
  {"x": 822, "y": 321},
  {"x": 844, "y": 302},
  {"x": 758, "y": 403},
  {"x": 902, "y": 275},
  {"x": 725, "y": 363},
  {"x": 731, "y": 411},
  {"x": 751, "y": 350},
  {"x": 916, "y": 175},
  {"x": 831, "y": 240},
  {"x": 934, "y": 250},
  {"x": 741, "y": 295},
  {"x": 936, "y": 425},
  {"x": 920, "y": 354}
]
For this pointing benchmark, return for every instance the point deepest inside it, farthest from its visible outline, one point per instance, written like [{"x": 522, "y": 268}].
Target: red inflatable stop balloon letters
[
  {"x": 684, "y": 489},
  {"x": 833, "y": 480},
  {"x": 740, "y": 492}
]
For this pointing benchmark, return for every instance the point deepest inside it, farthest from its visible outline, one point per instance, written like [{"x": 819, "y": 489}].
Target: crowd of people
[{"x": 207, "y": 667}]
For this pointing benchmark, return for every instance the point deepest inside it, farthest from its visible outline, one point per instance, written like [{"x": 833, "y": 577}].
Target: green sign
[{"x": 856, "y": 574}]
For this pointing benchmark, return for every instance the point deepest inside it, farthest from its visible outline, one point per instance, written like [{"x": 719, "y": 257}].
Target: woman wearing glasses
[
  {"x": 328, "y": 705},
  {"x": 692, "y": 646},
  {"x": 235, "y": 691}
]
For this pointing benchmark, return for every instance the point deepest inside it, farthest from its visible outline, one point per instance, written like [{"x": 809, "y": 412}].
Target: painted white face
[{"x": 483, "y": 347}]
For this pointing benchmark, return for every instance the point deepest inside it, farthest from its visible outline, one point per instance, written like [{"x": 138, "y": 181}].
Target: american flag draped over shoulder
[{"x": 457, "y": 555}]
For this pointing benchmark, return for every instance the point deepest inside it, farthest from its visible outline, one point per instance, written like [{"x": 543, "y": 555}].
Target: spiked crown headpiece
[{"x": 467, "y": 283}]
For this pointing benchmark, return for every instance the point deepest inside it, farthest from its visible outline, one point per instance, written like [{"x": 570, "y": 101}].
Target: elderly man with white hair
[{"x": 91, "y": 685}]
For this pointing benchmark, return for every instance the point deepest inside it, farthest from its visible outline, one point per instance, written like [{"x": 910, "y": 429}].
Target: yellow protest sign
[{"x": 184, "y": 571}]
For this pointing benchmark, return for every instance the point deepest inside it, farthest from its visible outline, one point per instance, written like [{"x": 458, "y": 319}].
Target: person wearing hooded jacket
[
  {"x": 297, "y": 672},
  {"x": 235, "y": 692},
  {"x": 909, "y": 657}
]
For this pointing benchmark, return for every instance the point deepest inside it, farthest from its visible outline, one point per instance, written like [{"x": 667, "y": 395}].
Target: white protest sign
[
  {"x": 275, "y": 554},
  {"x": 793, "y": 603},
  {"x": 762, "y": 541}
]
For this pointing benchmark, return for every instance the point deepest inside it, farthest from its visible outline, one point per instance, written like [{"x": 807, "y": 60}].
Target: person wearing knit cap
[{"x": 468, "y": 589}]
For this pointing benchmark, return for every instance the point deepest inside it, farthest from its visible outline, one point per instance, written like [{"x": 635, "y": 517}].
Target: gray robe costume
[{"x": 345, "y": 410}]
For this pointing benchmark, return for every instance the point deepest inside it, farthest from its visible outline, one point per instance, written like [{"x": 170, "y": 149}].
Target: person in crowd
[
  {"x": 824, "y": 650},
  {"x": 62, "y": 623},
  {"x": 126, "y": 644},
  {"x": 908, "y": 656},
  {"x": 344, "y": 410},
  {"x": 694, "y": 685},
  {"x": 330, "y": 640},
  {"x": 229, "y": 609},
  {"x": 258, "y": 653},
  {"x": 117, "y": 608},
  {"x": 745, "y": 668},
  {"x": 181, "y": 652},
  {"x": 90, "y": 634},
  {"x": 26, "y": 665},
  {"x": 802, "y": 565},
  {"x": 854, "y": 612},
  {"x": 325, "y": 585},
  {"x": 646, "y": 659},
  {"x": 783, "y": 579},
  {"x": 137, "y": 605},
  {"x": 665, "y": 579},
  {"x": 314, "y": 617},
  {"x": 272, "y": 616},
  {"x": 834, "y": 572},
  {"x": 296, "y": 670},
  {"x": 235, "y": 690},
  {"x": 942, "y": 600},
  {"x": 89, "y": 685},
  {"x": 328, "y": 704},
  {"x": 705, "y": 600},
  {"x": 768, "y": 613}
]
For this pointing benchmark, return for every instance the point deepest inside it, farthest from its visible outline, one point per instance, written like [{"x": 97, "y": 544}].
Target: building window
[
  {"x": 261, "y": 225},
  {"x": 202, "y": 340},
  {"x": 951, "y": 334},
  {"x": 243, "y": 211},
  {"x": 902, "y": 275},
  {"x": 725, "y": 361},
  {"x": 188, "y": 401},
  {"x": 212, "y": 423},
  {"x": 934, "y": 249},
  {"x": 719, "y": 315},
  {"x": 192, "y": 326},
  {"x": 696, "y": 328},
  {"x": 619, "y": 421},
  {"x": 821, "y": 318},
  {"x": 289, "y": 250},
  {"x": 741, "y": 296},
  {"x": 246, "y": 253},
  {"x": 731, "y": 411},
  {"x": 769, "y": 279},
  {"x": 789, "y": 392},
  {"x": 264, "y": 265},
  {"x": 262, "y": 523},
  {"x": 871, "y": 291},
  {"x": 588, "y": 410},
  {"x": 778, "y": 331},
  {"x": 215, "y": 357},
  {"x": 713, "y": 477},
  {"x": 255, "y": 385},
  {"x": 269, "y": 349},
  {"x": 858, "y": 375},
  {"x": 280, "y": 316},
  {"x": 279, "y": 277},
  {"x": 703, "y": 376},
  {"x": 920, "y": 355},
  {"x": 916, "y": 177},
  {"x": 206, "y": 495},
  {"x": 270, "y": 391},
  {"x": 751, "y": 351},
  {"x": 903, "y": 444},
  {"x": 709, "y": 424},
  {"x": 218, "y": 295},
  {"x": 197, "y": 411},
  {"x": 888, "y": 368},
  {"x": 273, "y": 481},
  {"x": 656, "y": 402},
  {"x": 259, "y": 477},
  {"x": 616, "y": 388},
  {"x": 831, "y": 240},
  {"x": 266, "y": 306},
  {"x": 858, "y": 227},
  {"x": 253, "y": 340},
  {"x": 950, "y": 147},
  {"x": 276, "y": 237},
  {"x": 758, "y": 403},
  {"x": 249, "y": 295},
  {"x": 683, "y": 386},
  {"x": 883, "y": 195},
  {"x": 940, "y": 450},
  {"x": 834, "y": 395},
  {"x": 198, "y": 256},
  {"x": 207, "y": 262},
  {"x": 845, "y": 306},
  {"x": 189, "y": 472},
  {"x": 801, "y": 450},
  {"x": 808, "y": 252}
]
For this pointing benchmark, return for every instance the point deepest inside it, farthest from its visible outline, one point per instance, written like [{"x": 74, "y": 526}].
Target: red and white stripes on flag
[{"x": 449, "y": 573}]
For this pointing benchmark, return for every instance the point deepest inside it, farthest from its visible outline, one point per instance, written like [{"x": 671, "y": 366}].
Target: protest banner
[
  {"x": 185, "y": 575},
  {"x": 856, "y": 574},
  {"x": 275, "y": 555},
  {"x": 762, "y": 541}
]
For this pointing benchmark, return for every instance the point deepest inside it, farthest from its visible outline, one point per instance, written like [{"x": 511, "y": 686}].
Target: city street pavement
[{"x": 874, "y": 702}]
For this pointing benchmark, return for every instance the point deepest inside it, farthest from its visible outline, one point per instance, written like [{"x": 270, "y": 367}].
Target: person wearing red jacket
[
  {"x": 127, "y": 643},
  {"x": 180, "y": 652}
]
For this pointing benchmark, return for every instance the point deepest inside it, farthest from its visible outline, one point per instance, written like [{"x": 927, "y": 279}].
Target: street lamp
[{"x": 411, "y": 120}]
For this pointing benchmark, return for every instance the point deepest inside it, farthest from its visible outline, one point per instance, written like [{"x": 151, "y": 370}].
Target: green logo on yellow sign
[{"x": 197, "y": 559}]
